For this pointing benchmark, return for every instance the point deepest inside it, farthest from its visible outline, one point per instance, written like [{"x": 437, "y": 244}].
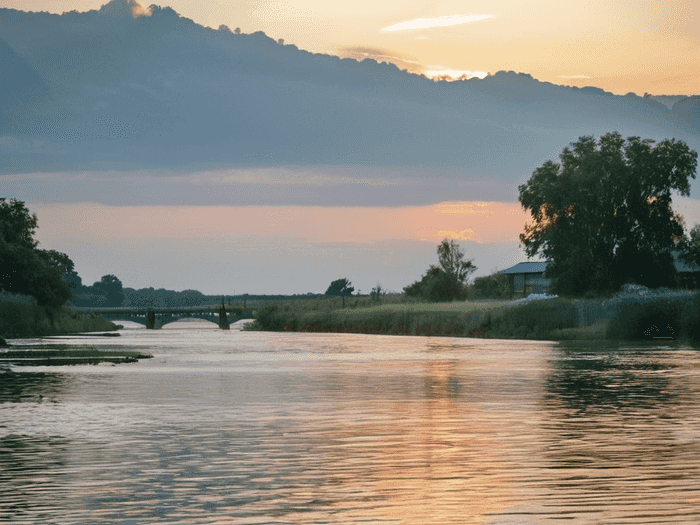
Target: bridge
[{"x": 157, "y": 317}]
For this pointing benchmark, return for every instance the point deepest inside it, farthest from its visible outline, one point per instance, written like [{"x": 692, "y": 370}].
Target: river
[{"x": 251, "y": 427}]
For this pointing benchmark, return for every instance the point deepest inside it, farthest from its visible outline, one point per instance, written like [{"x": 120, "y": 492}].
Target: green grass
[
  {"x": 21, "y": 317},
  {"x": 662, "y": 318}
]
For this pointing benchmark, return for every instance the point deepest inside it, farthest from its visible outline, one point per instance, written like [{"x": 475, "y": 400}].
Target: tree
[
  {"x": 451, "y": 258},
  {"x": 447, "y": 282},
  {"x": 25, "y": 269},
  {"x": 603, "y": 215},
  {"x": 377, "y": 292},
  {"x": 341, "y": 287},
  {"x": 111, "y": 288}
]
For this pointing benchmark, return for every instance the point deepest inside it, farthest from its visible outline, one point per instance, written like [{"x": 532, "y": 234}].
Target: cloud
[
  {"x": 441, "y": 21},
  {"x": 360, "y": 53},
  {"x": 138, "y": 10},
  {"x": 466, "y": 234},
  {"x": 443, "y": 73},
  {"x": 574, "y": 76}
]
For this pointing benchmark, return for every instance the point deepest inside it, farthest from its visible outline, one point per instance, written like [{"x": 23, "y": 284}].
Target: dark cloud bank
[{"x": 103, "y": 91}]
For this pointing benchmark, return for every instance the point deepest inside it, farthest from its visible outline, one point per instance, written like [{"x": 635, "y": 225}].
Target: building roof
[
  {"x": 539, "y": 266},
  {"x": 682, "y": 267},
  {"x": 527, "y": 267}
]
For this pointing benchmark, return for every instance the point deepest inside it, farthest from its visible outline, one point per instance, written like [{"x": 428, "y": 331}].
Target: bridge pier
[
  {"x": 150, "y": 320},
  {"x": 223, "y": 317}
]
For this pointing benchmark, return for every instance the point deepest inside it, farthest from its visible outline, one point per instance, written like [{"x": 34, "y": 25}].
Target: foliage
[
  {"x": 318, "y": 315},
  {"x": 674, "y": 317},
  {"x": 603, "y": 216},
  {"x": 24, "y": 317},
  {"x": 341, "y": 287},
  {"x": 377, "y": 292},
  {"x": 26, "y": 269},
  {"x": 451, "y": 259},
  {"x": 494, "y": 286},
  {"x": 447, "y": 282},
  {"x": 532, "y": 320}
]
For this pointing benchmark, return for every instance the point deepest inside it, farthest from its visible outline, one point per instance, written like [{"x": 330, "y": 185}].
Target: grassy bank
[
  {"x": 619, "y": 318},
  {"x": 22, "y": 317},
  {"x": 321, "y": 315}
]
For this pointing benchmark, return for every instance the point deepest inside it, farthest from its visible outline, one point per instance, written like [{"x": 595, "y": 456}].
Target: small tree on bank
[
  {"x": 340, "y": 287},
  {"x": 446, "y": 282}
]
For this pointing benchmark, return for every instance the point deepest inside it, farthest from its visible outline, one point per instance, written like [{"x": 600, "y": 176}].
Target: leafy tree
[
  {"x": 603, "y": 215},
  {"x": 451, "y": 258},
  {"x": 111, "y": 288},
  {"x": 25, "y": 269},
  {"x": 447, "y": 282},
  {"x": 341, "y": 287}
]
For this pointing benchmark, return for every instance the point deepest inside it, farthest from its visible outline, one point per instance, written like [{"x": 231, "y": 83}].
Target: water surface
[{"x": 251, "y": 427}]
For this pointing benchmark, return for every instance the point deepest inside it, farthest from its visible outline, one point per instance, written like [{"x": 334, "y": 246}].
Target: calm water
[{"x": 238, "y": 427}]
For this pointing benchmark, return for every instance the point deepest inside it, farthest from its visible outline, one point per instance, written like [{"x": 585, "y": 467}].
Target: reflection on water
[{"x": 239, "y": 427}]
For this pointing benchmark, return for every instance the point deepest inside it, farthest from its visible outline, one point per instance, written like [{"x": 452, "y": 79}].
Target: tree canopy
[
  {"x": 603, "y": 215},
  {"x": 341, "y": 287},
  {"x": 446, "y": 282},
  {"x": 26, "y": 269}
]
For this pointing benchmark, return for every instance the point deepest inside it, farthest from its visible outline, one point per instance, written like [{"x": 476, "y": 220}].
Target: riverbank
[
  {"x": 22, "y": 317},
  {"x": 633, "y": 314}
]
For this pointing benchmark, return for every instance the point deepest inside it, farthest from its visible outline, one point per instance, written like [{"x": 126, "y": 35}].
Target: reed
[{"x": 22, "y": 317}]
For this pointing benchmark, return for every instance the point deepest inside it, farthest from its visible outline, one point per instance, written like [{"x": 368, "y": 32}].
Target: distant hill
[{"x": 105, "y": 90}]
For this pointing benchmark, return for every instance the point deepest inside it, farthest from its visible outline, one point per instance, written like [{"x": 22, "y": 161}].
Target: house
[
  {"x": 688, "y": 274},
  {"x": 528, "y": 277}
]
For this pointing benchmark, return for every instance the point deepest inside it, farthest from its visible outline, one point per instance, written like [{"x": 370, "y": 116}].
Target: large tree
[
  {"x": 603, "y": 215},
  {"x": 24, "y": 268}
]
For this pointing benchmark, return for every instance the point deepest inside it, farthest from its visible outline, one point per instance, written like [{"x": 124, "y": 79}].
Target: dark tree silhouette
[
  {"x": 24, "y": 268},
  {"x": 603, "y": 216},
  {"x": 446, "y": 282},
  {"x": 341, "y": 287}
]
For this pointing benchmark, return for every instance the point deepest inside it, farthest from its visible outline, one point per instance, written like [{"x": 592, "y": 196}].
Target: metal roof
[
  {"x": 681, "y": 266},
  {"x": 527, "y": 267},
  {"x": 539, "y": 266}
]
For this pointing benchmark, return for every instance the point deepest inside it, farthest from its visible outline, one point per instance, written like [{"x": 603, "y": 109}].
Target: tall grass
[
  {"x": 532, "y": 320},
  {"x": 448, "y": 319},
  {"x": 22, "y": 317},
  {"x": 662, "y": 318}
]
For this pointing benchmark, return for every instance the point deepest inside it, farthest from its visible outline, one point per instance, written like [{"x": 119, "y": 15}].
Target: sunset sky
[
  {"x": 622, "y": 46},
  {"x": 220, "y": 248}
]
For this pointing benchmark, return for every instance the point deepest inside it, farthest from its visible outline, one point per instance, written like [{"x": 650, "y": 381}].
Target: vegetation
[
  {"x": 340, "y": 287},
  {"x": 364, "y": 315},
  {"x": 494, "y": 286},
  {"x": 446, "y": 282},
  {"x": 532, "y": 320},
  {"x": 26, "y": 269},
  {"x": 66, "y": 355},
  {"x": 603, "y": 216},
  {"x": 21, "y": 316},
  {"x": 664, "y": 318}
]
